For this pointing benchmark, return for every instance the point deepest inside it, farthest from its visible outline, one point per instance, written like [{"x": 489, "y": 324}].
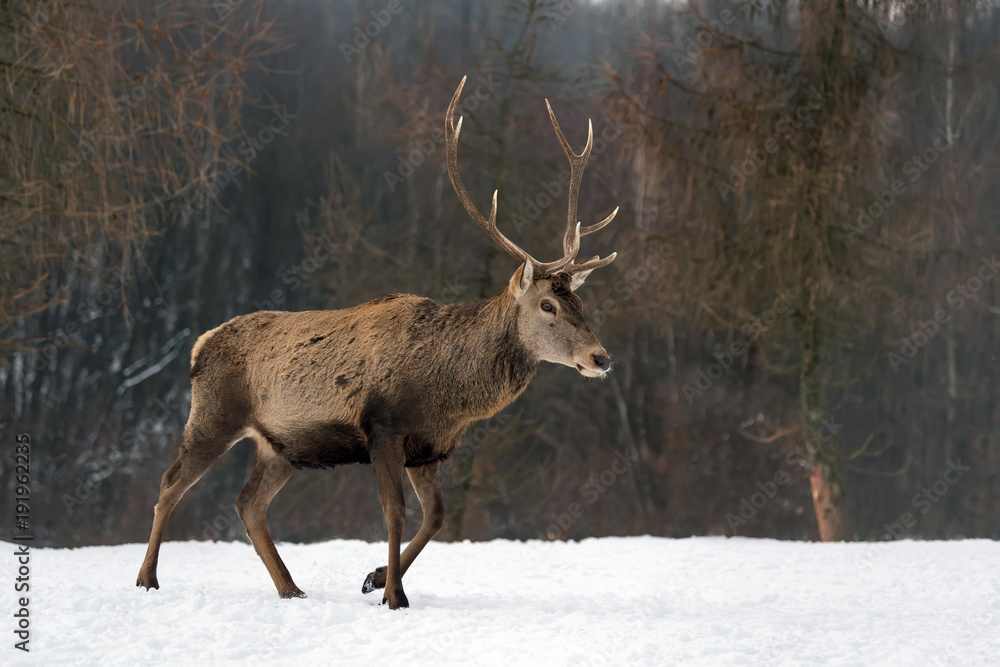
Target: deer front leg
[
  {"x": 387, "y": 460},
  {"x": 426, "y": 482}
]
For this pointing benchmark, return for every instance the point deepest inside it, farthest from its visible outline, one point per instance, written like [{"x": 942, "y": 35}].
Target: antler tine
[
  {"x": 571, "y": 239},
  {"x": 592, "y": 264},
  {"x": 585, "y": 155},
  {"x": 452, "y": 131},
  {"x": 601, "y": 225},
  {"x": 568, "y": 256},
  {"x": 577, "y": 164}
]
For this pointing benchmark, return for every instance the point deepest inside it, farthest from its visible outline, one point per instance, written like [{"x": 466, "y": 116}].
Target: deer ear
[
  {"x": 577, "y": 279},
  {"x": 522, "y": 279}
]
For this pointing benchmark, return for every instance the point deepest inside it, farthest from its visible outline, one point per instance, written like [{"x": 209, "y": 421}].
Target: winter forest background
[{"x": 802, "y": 316}]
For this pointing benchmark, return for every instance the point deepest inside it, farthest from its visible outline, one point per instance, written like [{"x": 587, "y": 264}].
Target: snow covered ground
[{"x": 610, "y": 601}]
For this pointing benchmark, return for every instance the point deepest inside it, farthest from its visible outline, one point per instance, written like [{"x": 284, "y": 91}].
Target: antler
[
  {"x": 571, "y": 239},
  {"x": 451, "y": 132}
]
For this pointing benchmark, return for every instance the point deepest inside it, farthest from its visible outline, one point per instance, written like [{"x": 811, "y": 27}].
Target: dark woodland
[{"x": 802, "y": 318}]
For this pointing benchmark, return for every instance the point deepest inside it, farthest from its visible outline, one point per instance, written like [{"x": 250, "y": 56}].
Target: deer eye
[{"x": 548, "y": 307}]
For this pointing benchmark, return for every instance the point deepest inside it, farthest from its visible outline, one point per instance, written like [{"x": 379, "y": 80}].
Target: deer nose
[{"x": 602, "y": 362}]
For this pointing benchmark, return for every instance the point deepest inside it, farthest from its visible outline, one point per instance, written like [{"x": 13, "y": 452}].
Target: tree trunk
[
  {"x": 827, "y": 497},
  {"x": 819, "y": 432}
]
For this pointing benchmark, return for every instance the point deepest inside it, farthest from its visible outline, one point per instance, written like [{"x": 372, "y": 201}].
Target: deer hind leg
[
  {"x": 426, "y": 482},
  {"x": 387, "y": 459},
  {"x": 270, "y": 473},
  {"x": 203, "y": 446}
]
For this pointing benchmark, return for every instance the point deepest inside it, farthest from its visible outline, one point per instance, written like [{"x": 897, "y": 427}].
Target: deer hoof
[
  {"x": 147, "y": 582},
  {"x": 400, "y": 603},
  {"x": 374, "y": 580},
  {"x": 294, "y": 593}
]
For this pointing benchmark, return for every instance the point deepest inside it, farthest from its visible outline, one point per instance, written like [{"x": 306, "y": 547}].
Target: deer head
[{"x": 550, "y": 314}]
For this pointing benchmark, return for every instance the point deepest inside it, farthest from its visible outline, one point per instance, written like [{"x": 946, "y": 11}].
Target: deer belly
[{"x": 319, "y": 444}]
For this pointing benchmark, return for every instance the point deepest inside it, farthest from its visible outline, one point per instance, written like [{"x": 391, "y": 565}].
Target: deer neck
[{"x": 493, "y": 367}]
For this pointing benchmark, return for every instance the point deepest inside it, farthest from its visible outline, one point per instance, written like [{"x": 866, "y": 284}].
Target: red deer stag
[{"x": 394, "y": 383}]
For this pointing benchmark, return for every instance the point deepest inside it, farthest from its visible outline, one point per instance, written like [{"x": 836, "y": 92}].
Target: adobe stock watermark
[
  {"x": 983, "y": 623},
  {"x": 86, "y": 147},
  {"x": 103, "y": 467},
  {"x": 221, "y": 523},
  {"x": 749, "y": 507},
  {"x": 452, "y": 289},
  {"x": 249, "y": 149},
  {"x": 37, "y": 17},
  {"x": 921, "y": 503},
  {"x": 626, "y": 287},
  {"x": 914, "y": 168},
  {"x": 474, "y": 441},
  {"x": 224, "y": 8},
  {"x": 364, "y": 34},
  {"x": 797, "y": 459},
  {"x": 757, "y": 158},
  {"x": 22, "y": 538},
  {"x": 891, "y": 26},
  {"x": 705, "y": 35},
  {"x": 425, "y": 147},
  {"x": 956, "y": 298},
  {"x": 590, "y": 492},
  {"x": 295, "y": 277},
  {"x": 558, "y": 14},
  {"x": 724, "y": 358},
  {"x": 533, "y": 207},
  {"x": 91, "y": 308}
]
